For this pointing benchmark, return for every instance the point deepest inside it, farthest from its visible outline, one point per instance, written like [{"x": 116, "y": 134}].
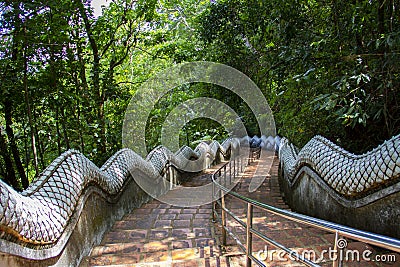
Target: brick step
[
  {"x": 207, "y": 262},
  {"x": 160, "y": 234},
  {"x": 124, "y": 254}
]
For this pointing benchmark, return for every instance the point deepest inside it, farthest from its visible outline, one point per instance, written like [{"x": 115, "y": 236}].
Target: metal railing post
[
  {"x": 338, "y": 260},
  {"x": 237, "y": 167},
  {"x": 234, "y": 168},
  {"x": 225, "y": 174},
  {"x": 223, "y": 219},
  {"x": 168, "y": 176},
  {"x": 230, "y": 173},
  {"x": 230, "y": 169},
  {"x": 171, "y": 177},
  {"x": 213, "y": 202},
  {"x": 249, "y": 235}
]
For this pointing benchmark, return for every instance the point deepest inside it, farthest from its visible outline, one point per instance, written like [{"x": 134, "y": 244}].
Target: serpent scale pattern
[
  {"x": 348, "y": 174},
  {"x": 38, "y": 216}
]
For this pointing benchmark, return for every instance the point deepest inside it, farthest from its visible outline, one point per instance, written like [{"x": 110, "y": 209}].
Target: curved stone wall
[
  {"x": 325, "y": 181},
  {"x": 67, "y": 209}
]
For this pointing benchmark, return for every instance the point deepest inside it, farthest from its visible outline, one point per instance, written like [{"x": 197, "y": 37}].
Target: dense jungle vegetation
[{"x": 66, "y": 76}]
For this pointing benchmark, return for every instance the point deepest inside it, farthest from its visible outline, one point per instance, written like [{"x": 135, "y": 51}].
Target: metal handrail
[{"x": 338, "y": 229}]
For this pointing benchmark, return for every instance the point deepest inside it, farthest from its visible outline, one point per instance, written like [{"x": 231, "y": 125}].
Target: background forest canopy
[{"x": 67, "y": 76}]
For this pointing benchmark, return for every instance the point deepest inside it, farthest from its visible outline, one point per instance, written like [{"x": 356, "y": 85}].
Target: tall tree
[{"x": 334, "y": 61}]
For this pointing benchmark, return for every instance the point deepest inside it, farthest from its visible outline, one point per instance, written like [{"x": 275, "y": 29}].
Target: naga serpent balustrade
[
  {"x": 348, "y": 174},
  {"x": 37, "y": 223},
  {"x": 325, "y": 181}
]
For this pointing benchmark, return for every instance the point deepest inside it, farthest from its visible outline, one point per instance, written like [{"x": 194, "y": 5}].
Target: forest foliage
[{"x": 66, "y": 76}]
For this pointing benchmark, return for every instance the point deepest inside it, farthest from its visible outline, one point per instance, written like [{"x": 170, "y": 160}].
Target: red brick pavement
[
  {"x": 159, "y": 234},
  {"x": 305, "y": 240}
]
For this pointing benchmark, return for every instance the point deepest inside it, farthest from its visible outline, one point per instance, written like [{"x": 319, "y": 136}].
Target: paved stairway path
[
  {"x": 312, "y": 243},
  {"x": 159, "y": 234}
]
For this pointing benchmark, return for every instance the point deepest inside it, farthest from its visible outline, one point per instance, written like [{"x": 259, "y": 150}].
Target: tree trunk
[
  {"x": 27, "y": 152},
  {"x": 58, "y": 132},
  {"x": 64, "y": 127},
  {"x": 99, "y": 94},
  {"x": 79, "y": 123},
  {"x": 13, "y": 145},
  {"x": 78, "y": 72},
  {"x": 8, "y": 105},
  {"x": 10, "y": 177},
  {"x": 31, "y": 126},
  {"x": 381, "y": 16},
  {"x": 28, "y": 108}
]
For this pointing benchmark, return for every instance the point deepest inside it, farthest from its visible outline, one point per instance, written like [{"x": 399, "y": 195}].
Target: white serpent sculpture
[
  {"x": 348, "y": 174},
  {"x": 38, "y": 216}
]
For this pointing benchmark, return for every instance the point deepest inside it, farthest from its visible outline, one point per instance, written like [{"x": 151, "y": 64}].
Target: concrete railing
[
  {"x": 325, "y": 181},
  {"x": 68, "y": 208}
]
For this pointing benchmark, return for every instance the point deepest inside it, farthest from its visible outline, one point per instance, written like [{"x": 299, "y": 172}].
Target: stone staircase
[
  {"x": 312, "y": 243},
  {"x": 159, "y": 234}
]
